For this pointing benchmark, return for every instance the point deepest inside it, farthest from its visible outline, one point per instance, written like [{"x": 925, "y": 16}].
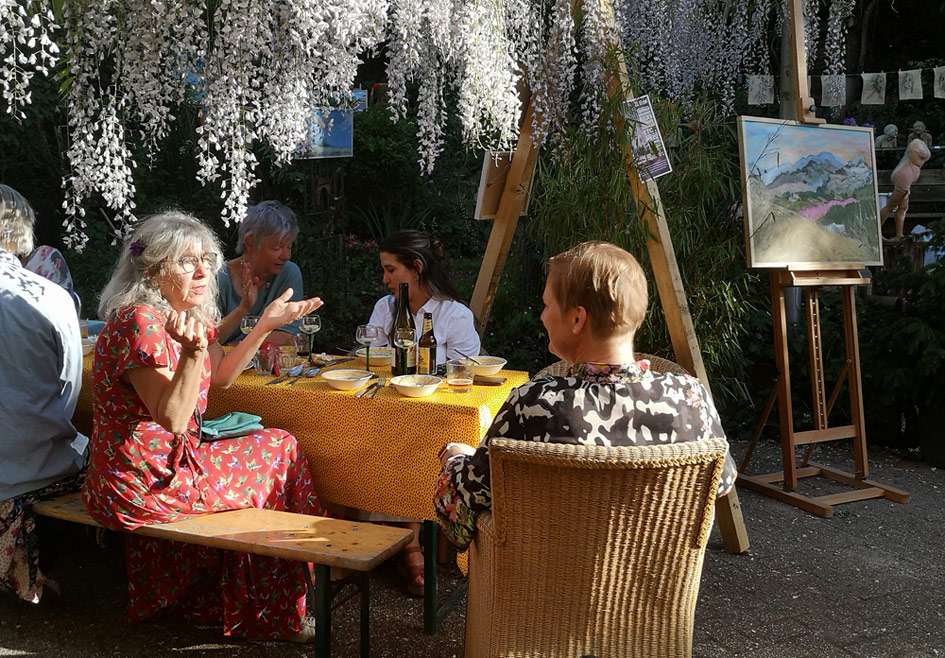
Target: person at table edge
[
  {"x": 152, "y": 368},
  {"x": 261, "y": 273},
  {"x": 595, "y": 299},
  {"x": 41, "y": 453},
  {"x": 416, "y": 258}
]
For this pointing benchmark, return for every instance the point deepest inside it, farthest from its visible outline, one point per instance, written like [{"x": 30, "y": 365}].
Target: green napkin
[{"x": 234, "y": 423}]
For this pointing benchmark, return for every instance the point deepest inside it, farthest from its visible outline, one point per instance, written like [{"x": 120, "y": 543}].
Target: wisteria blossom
[{"x": 257, "y": 70}]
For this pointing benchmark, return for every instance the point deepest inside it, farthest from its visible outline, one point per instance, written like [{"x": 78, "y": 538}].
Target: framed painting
[
  {"x": 809, "y": 194},
  {"x": 330, "y": 134}
]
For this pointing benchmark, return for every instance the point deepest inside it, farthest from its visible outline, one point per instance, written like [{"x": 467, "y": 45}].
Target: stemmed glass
[
  {"x": 310, "y": 324},
  {"x": 405, "y": 338},
  {"x": 367, "y": 335},
  {"x": 247, "y": 323}
]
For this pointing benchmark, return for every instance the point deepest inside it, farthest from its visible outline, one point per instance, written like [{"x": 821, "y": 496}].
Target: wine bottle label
[{"x": 424, "y": 362}]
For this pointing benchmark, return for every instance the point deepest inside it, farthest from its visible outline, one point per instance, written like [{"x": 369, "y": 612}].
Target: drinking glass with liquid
[
  {"x": 247, "y": 323},
  {"x": 459, "y": 375}
]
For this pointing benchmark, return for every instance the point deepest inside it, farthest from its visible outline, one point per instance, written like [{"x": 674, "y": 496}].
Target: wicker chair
[
  {"x": 590, "y": 550},
  {"x": 657, "y": 364}
]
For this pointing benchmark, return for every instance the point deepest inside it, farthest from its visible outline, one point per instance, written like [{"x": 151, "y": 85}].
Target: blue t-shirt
[{"x": 290, "y": 276}]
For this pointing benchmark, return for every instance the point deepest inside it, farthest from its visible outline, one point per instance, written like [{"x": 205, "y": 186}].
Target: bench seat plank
[{"x": 331, "y": 542}]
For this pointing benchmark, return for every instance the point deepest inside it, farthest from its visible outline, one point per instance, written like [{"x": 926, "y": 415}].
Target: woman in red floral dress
[{"x": 153, "y": 364}]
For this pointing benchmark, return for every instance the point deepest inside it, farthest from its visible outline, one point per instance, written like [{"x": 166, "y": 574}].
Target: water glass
[
  {"x": 247, "y": 323},
  {"x": 367, "y": 335},
  {"x": 310, "y": 325},
  {"x": 459, "y": 375},
  {"x": 263, "y": 363}
]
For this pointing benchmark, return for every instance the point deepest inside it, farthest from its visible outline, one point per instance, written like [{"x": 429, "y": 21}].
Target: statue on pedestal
[
  {"x": 889, "y": 138},
  {"x": 903, "y": 176},
  {"x": 919, "y": 132}
]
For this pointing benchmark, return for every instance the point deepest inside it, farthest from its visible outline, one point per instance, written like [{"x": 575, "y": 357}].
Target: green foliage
[{"x": 582, "y": 194}]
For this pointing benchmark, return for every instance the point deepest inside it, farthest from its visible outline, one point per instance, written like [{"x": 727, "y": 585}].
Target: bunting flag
[
  {"x": 910, "y": 85},
  {"x": 938, "y": 74},
  {"x": 760, "y": 89},
  {"x": 874, "y": 88},
  {"x": 833, "y": 90}
]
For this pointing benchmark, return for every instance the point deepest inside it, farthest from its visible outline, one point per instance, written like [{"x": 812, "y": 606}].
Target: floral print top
[{"x": 595, "y": 404}]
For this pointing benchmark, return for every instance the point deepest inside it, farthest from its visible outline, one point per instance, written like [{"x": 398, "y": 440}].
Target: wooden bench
[{"x": 327, "y": 543}]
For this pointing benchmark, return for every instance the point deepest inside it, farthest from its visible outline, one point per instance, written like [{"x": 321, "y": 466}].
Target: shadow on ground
[{"x": 868, "y": 583}]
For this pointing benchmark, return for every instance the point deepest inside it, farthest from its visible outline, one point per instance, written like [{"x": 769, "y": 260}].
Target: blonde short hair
[
  {"x": 16, "y": 222},
  {"x": 606, "y": 280}
]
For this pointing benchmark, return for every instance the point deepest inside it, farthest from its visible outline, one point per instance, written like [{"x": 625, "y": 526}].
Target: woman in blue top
[{"x": 262, "y": 272}]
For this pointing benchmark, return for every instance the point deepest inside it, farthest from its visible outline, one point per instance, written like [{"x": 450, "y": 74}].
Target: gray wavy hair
[
  {"x": 265, "y": 219},
  {"x": 156, "y": 244},
  {"x": 16, "y": 222}
]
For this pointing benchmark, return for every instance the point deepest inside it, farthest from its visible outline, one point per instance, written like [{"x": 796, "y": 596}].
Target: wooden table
[{"x": 376, "y": 454}]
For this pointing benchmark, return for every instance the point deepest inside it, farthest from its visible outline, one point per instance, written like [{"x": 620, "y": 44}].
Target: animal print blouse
[{"x": 596, "y": 404}]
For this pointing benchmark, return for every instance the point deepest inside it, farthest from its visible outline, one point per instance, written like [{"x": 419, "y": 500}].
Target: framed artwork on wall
[{"x": 809, "y": 194}]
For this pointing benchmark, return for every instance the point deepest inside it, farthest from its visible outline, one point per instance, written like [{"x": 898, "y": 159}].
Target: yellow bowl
[
  {"x": 488, "y": 365},
  {"x": 415, "y": 386},
  {"x": 347, "y": 380}
]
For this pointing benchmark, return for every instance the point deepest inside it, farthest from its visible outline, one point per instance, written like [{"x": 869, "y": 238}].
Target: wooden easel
[
  {"x": 811, "y": 280},
  {"x": 662, "y": 257}
]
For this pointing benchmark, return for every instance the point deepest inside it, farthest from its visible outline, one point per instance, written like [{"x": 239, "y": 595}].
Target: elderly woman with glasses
[
  {"x": 262, "y": 272},
  {"x": 153, "y": 364},
  {"x": 594, "y": 301}
]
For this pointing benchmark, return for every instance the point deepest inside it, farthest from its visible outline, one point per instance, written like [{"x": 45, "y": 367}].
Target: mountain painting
[{"x": 809, "y": 194}]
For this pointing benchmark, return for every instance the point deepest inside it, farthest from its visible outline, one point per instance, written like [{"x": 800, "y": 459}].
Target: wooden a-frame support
[
  {"x": 662, "y": 257},
  {"x": 811, "y": 279}
]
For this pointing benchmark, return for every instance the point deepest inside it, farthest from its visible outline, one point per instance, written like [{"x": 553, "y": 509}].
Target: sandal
[
  {"x": 304, "y": 636},
  {"x": 411, "y": 570}
]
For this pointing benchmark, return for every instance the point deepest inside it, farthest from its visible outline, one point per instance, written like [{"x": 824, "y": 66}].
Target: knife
[{"x": 278, "y": 379}]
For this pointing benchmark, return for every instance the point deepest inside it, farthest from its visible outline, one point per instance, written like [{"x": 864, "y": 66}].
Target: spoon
[
  {"x": 307, "y": 373},
  {"x": 291, "y": 372},
  {"x": 470, "y": 358}
]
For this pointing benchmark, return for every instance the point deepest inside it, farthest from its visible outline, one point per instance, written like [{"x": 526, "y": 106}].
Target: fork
[{"x": 377, "y": 387}]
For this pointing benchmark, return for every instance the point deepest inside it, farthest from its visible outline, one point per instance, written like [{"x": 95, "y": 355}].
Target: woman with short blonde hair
[{"x": 594, "y": 301}]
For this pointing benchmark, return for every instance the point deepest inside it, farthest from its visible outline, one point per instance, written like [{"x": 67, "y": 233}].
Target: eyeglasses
[{"x": 189, "y": 263}]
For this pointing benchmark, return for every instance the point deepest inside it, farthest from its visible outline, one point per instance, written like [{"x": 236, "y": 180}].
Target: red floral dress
[{"x": 140, "y": 474}]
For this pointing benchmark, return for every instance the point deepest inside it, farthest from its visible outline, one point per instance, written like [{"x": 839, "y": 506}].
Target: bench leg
[
  {"x": 322, "y": 593},
  {"x": 430, "y": 621},
  {"x": 365, "y": 614}
]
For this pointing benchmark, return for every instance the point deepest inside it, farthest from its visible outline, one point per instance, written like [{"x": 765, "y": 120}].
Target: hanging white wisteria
[
  {"x": 258, "y": 69},
  {"x": 26, "y": 29}
]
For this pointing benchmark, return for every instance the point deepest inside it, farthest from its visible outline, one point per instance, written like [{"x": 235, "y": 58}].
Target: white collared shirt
[{"x": 453, "y": 326}]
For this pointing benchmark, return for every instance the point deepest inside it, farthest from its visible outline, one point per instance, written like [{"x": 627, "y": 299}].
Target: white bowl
[
  {"x": 415, "y": 386},
  {"x": 88, "y": 344},
  {"x": 488, "y": 365},
  {"x": 380, "y": 356},
  {"x": 346, "y": 380}
]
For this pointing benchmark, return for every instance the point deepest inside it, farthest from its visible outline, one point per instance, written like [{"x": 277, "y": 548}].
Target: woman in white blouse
[{"x": 415, "y": 258}]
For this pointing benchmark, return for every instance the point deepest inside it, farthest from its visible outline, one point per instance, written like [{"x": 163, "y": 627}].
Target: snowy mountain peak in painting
[{"x": 824, "y": 161}]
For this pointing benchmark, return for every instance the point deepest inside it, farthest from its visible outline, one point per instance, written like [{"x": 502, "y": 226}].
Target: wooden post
[
  {"x": 804, "y": 102},
  {"x": 511, "y": 203}
]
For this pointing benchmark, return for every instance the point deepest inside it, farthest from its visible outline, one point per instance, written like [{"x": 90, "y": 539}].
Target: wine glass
[
  {"x": 310, "y": 324},
  {"x": 247, "y": 323},
  {"x": 367, "y": 335}
]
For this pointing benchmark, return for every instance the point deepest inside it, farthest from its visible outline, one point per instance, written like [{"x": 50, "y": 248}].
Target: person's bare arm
[{"x": 171, "y": 396}]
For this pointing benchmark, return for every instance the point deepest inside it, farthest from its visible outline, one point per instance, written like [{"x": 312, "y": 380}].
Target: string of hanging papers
[{"x": 834, "y": 91}]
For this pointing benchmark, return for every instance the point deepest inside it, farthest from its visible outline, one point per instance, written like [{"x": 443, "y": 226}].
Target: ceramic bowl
[
  {"x": 346, "y": 380},
  {"x": 88, "y": 344},
  {"x": 415, "y": 386},
  {"x": 488, "y": 365},
  {"x": 380, "y": 356}
]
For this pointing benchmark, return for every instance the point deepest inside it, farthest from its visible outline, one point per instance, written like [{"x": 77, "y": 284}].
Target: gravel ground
[{"x": 869, "y": 582}]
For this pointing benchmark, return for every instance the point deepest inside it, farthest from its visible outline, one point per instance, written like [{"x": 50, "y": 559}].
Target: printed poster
[{"x": 649, "y": 151}]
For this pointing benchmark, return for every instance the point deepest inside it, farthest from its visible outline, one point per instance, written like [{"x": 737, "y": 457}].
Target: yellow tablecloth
[{"x": 375, "y": 454}]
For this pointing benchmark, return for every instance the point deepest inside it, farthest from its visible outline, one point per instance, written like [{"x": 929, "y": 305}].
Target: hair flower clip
[{"x": 136, "y": 248}]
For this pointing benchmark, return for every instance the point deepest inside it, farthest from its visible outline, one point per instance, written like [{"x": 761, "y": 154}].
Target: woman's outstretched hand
[
  {"x": 281, "y": 311},
  {"x": 249, "y": 287},
  {"x": 190, "y": 333}
]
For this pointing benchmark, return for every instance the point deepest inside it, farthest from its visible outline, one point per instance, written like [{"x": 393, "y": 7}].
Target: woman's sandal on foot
[
  {"x": 304, "y": 636},
  {"x": 411, "y": 570}
]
